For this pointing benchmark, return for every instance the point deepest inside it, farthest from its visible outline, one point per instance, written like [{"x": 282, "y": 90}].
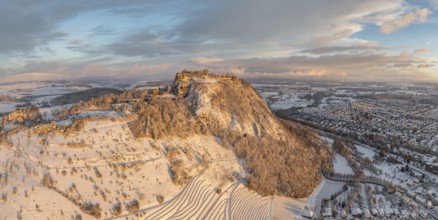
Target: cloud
[
  {"x": 355, "y": 48},
  {"x": 420, "y": 66},
  {"x": 359, "y": 66},
  {"x": 419, "y": 15},
  {"x": 141, "y": 71},
  {"x": 133, "y": 39},
  {"x": 34, "y": 76},
  {"x": 250, "y": 26},
  {"x": 206, "y": 60},
  {"x": 434, "y": 4},
  {"x": 423, "y": 51},
  {"x": 93, "y": 70},
  {"x": 341, "y": 34},
  {"x": 177, "y": 28},
  {"x": 26, "y": 24},
  {"x": 253, "y": 19},
  {"x": 96, "y": 71}
]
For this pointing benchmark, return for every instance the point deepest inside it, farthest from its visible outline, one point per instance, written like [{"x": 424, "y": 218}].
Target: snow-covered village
[{"x": 389, "y": 167}]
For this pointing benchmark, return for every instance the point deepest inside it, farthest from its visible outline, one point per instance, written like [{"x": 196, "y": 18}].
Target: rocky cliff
[{"x": 280, "y": 157}]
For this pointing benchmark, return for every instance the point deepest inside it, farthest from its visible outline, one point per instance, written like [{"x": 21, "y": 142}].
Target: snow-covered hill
[{"x": 131, "y": 155}]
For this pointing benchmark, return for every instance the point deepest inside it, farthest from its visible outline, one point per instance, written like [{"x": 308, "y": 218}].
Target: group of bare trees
[
  {"x": 164, "y": 117},
  {"x": 344, "y": 177}
]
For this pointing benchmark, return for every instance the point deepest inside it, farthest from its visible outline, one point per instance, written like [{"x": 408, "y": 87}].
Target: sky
[{"x": 343, "y": 40}]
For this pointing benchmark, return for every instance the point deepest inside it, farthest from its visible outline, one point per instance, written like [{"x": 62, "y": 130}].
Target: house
[
  {"x": 414, "y": 205},
  {"x": 367, "y": 214},
  {"x": 402, "y": 190},
  {"x": 327, "y": 212},
  {"x": 429, "y": 204},
  {"x": 308, "y": 212},
  {"x": 357, "y": 213},
  {"x": 423, "y": 214},
  {"x": 381, "y": 213},
  {"x": 391, "y": 189},
  {"x": 413, "y": 215},
  {"x": 405, "y": 214},
  {"x": 430, "y": 194},
  {"x": 374, "y": 211},
  {"x": 419, "y": 190},
  {"x": 389, "y": 212},
  {"x": 411, "y": 194},
  {"x": 432, "y": 167},
  {"x": 425, "y": 190},
  {"x": 421, "y": 200},
  {"x": 344, "y": 213}
]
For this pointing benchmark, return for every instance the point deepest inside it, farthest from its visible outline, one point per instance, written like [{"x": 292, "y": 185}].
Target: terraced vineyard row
[
  {"x": 199, "y": 200},
  {"x": 246, "y": 204}
]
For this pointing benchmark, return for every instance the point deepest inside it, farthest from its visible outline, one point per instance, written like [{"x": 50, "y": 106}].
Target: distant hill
[{"x": 84, "y": 95}]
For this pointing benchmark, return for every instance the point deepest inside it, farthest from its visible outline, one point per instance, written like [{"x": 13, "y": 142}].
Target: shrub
[
  {"x": 77, "y": 217},
  {"x": 19, "y": 217},
  {"x": 179, "y": 175},
  {"x": 4, "y": 197},
  {"x": 92, "y": 209},
  {"x": 117, "y": 209},
  {"x": 133, "y": 206},
  {"x": 98, "y": 174},
  {"x": 48, "y": 180},
  {"x": 160, "y": 199}
]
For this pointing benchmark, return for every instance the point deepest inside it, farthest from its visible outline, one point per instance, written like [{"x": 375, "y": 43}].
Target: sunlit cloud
[
  {"x": 419, "y": 15},
  {"x": 206, "y": 60},
  {"x": 34, "y": 76},
  {"x": 423, "y": 51},
  {"x": 83, "y": 40},
  {"x": 371, "y": 65}
]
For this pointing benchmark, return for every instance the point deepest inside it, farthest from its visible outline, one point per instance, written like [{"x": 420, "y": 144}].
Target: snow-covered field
[
  {"x": 104, "y": 164},
  {"x": 366, "y": 151},
  {"x": 287, "y": 208},
  {"x": 341, "y": 165},
  {"x": 7, "y": 107},
  {"x": 36, "y": 93},
  {"x": 288, "y": 101},
  {"x": 324, "y": 190}
]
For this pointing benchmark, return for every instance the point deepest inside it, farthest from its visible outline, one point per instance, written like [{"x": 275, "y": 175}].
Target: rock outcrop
[{"x": 280, "y": 157}]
